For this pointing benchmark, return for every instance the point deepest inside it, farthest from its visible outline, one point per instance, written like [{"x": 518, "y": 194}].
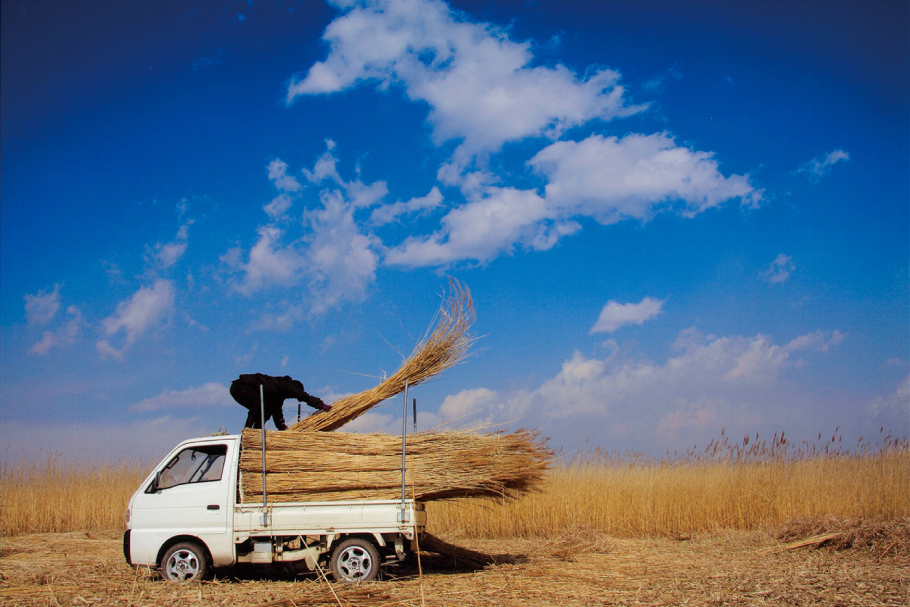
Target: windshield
[{"x": 193, "y": 465}]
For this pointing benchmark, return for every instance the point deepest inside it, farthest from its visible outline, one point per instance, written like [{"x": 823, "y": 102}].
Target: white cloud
[
  {"x": 389, "y": 212},
  {"x": 373, "y": 421},
  {"x": 362, "y": 196},
  {"x": 326, "y": 167},
  {"x": 389, "y": 423},
  {"x": 467, "y": 403},
  {"x": 605, "y": 178},
  {"x": 820, "y": 340},
  {"x": 484, "y": 90},
  {"x": 821, "y": 166},
  {"x": 480, "y": 85},
  {"x": 612, "y": 179},
  {"x": 211, "y": 394},
  {"x": 282, "y": 319},
  {"x": 341, "y": 260},
  {"x": 270, "y": 262},
  {"x": 615, "y": 315},
  {"x": 896, "y": 402},
  {"x": 41, "y": 308},
  {"x": 165, "y": 255},
  {"x": 709, "y": 368},
  {"x": 712, "y": 382},
  {"x": 67, "y": 335},
  {"x": 485, "y": 228},
  {"x": 278, "y": 174},
  {"x": 147, "y": 307},
  {"x": 278, "y": 207},
  {"x": 168, "y": 254},
  {"x": 333, "y": 255},
  {"x": 780, "y": 269}
]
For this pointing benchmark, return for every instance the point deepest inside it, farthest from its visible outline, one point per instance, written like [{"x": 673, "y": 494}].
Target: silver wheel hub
[
  {"x": 355, "y": 563},
  {"x": 183, "y": 565}
]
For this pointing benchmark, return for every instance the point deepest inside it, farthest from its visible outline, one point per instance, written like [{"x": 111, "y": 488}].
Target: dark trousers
[{"x": 249, "y": 397}]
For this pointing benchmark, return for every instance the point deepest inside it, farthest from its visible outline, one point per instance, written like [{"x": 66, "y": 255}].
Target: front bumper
[{"x": 126, "y": 547}]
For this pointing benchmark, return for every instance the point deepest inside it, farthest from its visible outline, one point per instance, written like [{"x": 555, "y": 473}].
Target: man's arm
[{"x": 315, "y": 402}]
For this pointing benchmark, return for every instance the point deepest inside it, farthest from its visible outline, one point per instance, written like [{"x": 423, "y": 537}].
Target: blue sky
[{"x": 676, "y": 218}]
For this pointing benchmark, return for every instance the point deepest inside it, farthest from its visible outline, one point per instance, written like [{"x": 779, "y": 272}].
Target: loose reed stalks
[
  {"x": 444, "y": 345},
  {"x": 309, "y": 466}
]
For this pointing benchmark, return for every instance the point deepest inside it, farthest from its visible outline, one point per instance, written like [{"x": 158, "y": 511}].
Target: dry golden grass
[
  {"x": 621, "y": 495},
  {"x": 54, "y": 495},
  {"x": 730, "y": 487},
  {"x": 444, "y": 345}
]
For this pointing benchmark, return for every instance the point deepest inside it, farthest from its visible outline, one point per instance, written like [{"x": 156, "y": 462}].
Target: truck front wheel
[
  {"x": 355, "y": 560},
  {"x": 184, "y": 562}
]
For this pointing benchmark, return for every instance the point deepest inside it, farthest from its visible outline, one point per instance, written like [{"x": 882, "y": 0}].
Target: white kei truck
[{"x": 187, "y": 518}]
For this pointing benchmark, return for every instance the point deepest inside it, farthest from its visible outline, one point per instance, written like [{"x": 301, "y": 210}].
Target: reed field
[
  {"x": 746, "y": 486},
  {"x": 53, "y": 495}
]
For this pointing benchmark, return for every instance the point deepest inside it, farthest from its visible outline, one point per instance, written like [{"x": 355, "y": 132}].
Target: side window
[{"x": 192, "y": 465}]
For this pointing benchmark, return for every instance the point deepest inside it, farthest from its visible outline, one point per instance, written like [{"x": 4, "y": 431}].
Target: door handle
[{"x": 213, "y": 507}]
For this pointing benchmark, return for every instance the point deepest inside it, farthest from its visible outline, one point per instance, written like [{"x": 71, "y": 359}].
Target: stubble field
[{"x": 579, "y": 568}]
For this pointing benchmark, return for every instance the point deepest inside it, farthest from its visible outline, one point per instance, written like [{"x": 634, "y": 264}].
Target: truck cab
[{"x": 186, "y": 519}]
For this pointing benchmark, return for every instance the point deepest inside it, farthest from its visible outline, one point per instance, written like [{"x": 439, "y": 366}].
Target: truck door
[{"x": 189, "y": 495}]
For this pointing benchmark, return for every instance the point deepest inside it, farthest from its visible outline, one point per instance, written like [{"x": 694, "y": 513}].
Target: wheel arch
[{"x": 375, "y": 538}]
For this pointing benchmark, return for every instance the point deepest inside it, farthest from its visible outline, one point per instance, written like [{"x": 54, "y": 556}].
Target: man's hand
[{"x": 319, "y": 404}]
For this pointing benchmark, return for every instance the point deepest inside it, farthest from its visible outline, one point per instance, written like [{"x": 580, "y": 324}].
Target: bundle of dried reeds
[
  {"x": 445, "y": 343},
  {"x": 320, "y": 466}
]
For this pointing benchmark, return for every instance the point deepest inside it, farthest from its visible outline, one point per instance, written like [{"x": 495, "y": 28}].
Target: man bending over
[{"x": 276, "y": 390}]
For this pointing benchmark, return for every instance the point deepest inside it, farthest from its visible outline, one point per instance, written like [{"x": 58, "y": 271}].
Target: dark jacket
[{"x": 275, "y": 391}]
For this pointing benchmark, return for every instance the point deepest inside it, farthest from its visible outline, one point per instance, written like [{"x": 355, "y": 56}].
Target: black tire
[
  {"x": 355, "y": 560},
  {"x": 185, "y": 562}
]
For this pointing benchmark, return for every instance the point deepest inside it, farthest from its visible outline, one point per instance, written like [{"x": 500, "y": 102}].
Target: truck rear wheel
[
  {"x": 185, "y": 562},
  {"x": 355, "y": 560}
]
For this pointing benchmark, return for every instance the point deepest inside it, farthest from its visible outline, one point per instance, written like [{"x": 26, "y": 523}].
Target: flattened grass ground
[{"x": 577, "y": 568}]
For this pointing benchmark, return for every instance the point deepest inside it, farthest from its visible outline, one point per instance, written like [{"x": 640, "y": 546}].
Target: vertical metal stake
[
  {"x": 404, "y": 433},
  {"x": 415, "y": 415},
  {"x": 265, "y": 512}
]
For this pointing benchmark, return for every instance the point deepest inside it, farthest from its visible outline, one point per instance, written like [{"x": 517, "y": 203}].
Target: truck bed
[{"x": 319, "y": 518}]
